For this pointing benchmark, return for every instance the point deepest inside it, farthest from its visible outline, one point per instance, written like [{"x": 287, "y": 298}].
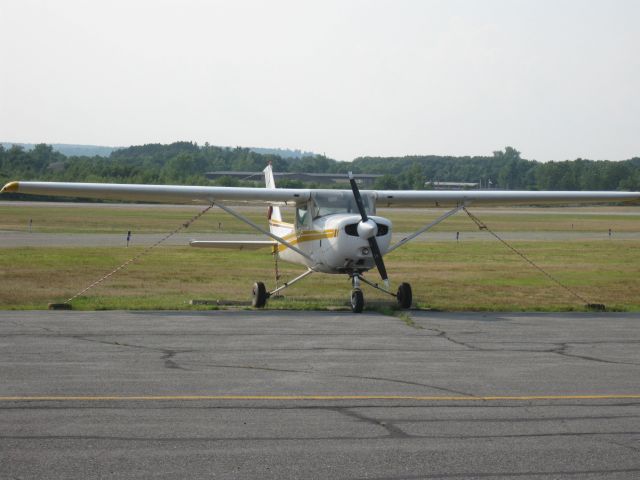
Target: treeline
[
  {"x": 505, "y": 169},
  {"x": 186, "y": 163}
]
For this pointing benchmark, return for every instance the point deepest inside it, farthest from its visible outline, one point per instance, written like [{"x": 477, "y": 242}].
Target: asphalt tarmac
[{"x": 268, "y": 394}]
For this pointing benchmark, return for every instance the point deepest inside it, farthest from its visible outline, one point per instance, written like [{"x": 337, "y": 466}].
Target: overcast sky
[{"x": 556, "y": 79}]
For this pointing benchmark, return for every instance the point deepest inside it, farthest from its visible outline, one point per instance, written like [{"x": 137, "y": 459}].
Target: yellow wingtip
[{"x": 10, "y": 187}]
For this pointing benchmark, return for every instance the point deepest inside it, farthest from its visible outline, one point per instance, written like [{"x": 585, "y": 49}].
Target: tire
[
  {"x": 404, "y": 296},
  {"x": 259, "y": 295},
  {"x": 357, "y": 300}
]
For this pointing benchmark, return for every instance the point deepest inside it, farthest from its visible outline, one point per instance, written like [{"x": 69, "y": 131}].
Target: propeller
[{"x": 368, "y": 229}]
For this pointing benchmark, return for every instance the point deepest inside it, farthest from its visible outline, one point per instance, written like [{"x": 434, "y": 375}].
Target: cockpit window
[{"x": 329, "y": 202}]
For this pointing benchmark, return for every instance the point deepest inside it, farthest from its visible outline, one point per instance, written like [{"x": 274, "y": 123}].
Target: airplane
[{"x": 334, "y": 231}]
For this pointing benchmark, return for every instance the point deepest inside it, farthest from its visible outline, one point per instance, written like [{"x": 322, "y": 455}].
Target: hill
[{"x": 69, "y": 149}]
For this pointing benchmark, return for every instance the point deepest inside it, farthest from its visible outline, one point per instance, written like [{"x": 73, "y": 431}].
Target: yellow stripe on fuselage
[{"x": 295, "y": 238}]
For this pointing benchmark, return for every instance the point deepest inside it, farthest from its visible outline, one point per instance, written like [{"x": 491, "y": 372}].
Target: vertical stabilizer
[{"x": 274, "y": 212}]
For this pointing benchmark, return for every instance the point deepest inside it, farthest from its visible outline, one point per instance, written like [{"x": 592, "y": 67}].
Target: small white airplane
[{"x": 335, "y": 231}]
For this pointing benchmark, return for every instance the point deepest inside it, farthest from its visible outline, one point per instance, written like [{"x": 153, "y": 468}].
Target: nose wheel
[{"x": 357, "y": 300}]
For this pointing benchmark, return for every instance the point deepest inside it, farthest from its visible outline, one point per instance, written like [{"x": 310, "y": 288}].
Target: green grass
[
  {"x": 118, "y": 219},
  {"x": 444, "y": 276},
  {"x": 109, "y": 218},
  {"x": 470, "y": 275}
]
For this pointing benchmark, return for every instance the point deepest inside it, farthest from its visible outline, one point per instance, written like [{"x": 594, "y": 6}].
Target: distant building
[
  {"x": 451, "y": 185},
  {"x": 366, "y": 180}
]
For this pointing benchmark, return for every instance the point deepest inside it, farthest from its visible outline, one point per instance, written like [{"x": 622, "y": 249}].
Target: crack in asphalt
[
  {"x": 393, "y": 430},
  {"x": 334, "y": 375},
  {"x": 513, "y": 420},
  {"x": 558, "y": 348},
  {"x": 222, "y": 334},
  {"x": 404, "y": 435},
  {"x": 167, "y": 355},
  {"x": 633, "y": 448},
  {"x": 552, "y": 474},
  {"x": 563, "y": 347}
]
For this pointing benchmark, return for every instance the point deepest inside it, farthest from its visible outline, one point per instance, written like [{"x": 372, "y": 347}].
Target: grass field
[
  {"x": 113, "y": 218},
  {"x": 481, "y": 275}
]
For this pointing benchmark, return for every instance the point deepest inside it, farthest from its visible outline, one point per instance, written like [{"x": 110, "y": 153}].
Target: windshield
[{"x": 336, "y": 201}]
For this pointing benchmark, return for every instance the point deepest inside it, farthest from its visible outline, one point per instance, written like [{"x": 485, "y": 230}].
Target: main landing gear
[
  {"x": 403, "y": 295},
  {"x": 260, "y": 294}
]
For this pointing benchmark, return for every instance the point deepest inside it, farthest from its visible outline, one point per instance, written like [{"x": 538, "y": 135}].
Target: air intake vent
[{"x": 352, "y": 229}]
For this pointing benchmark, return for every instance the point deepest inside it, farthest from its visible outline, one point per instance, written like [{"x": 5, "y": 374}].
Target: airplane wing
[
  {"x": 293, "y": 196},
  {"x": 445, "y": 198},
  {"x": 162, "y": 193}
]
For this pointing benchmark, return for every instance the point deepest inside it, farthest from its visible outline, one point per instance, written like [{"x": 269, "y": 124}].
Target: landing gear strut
[
  {"x": 357, "y": 298},
  {"x": 260, "y": 293}
]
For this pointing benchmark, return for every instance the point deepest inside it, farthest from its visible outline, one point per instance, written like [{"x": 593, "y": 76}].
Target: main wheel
[
  {"x": 357, "y": 300},
  {"x": 259, "y": 295},
  {"x": 404, "y": 296}
]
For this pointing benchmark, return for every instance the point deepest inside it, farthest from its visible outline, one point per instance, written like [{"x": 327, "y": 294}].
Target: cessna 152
[{"x": 335, "y": 231}]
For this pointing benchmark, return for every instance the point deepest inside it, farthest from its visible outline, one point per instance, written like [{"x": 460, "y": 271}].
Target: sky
[{"x": 555, "y": 79}]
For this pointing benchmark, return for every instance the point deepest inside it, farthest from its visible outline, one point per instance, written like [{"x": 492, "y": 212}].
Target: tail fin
[{"x": 274, "y": 212}]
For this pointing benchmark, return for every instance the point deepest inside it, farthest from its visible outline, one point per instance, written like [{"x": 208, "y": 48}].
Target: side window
[
  {"x": 370, "y": 204},
  {"x": 315, "y": 210},
  {"x": 302, "y": 215}
]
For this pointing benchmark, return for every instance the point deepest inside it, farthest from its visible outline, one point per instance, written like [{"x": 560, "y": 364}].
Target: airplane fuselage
[{"x": 334, "y": 244}]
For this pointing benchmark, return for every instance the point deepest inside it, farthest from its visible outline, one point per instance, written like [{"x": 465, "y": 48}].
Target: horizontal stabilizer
[{"x": 233, "y": 244}]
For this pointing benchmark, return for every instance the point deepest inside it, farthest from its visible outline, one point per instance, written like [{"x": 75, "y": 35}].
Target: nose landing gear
[
  {"x": 403, "y": 296},
  {"x": 357, "y": 300}
]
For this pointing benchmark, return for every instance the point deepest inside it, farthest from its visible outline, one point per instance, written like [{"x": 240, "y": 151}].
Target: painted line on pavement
[{"x": 423, "y": 398}]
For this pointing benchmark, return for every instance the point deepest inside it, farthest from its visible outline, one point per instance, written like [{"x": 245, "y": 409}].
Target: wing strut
[
  {"x": 426, "y": 227},
  {"x": 265, "y": 231},
  {"x": 291, "y": 282}
]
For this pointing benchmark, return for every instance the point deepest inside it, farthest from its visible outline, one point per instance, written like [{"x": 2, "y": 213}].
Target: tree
[{"x": 386, "y": 182}]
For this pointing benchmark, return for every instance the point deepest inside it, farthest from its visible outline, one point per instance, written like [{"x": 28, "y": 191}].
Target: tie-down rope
[
  {"x": 144, "y": 252},
  {"x": 483, "y": 226}
]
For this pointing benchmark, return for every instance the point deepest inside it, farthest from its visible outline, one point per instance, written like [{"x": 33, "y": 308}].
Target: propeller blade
[
  {"x": 358, "y": 197},
  {"x": 373, "y": 243},
  {"x": 377, "y": 257}
]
